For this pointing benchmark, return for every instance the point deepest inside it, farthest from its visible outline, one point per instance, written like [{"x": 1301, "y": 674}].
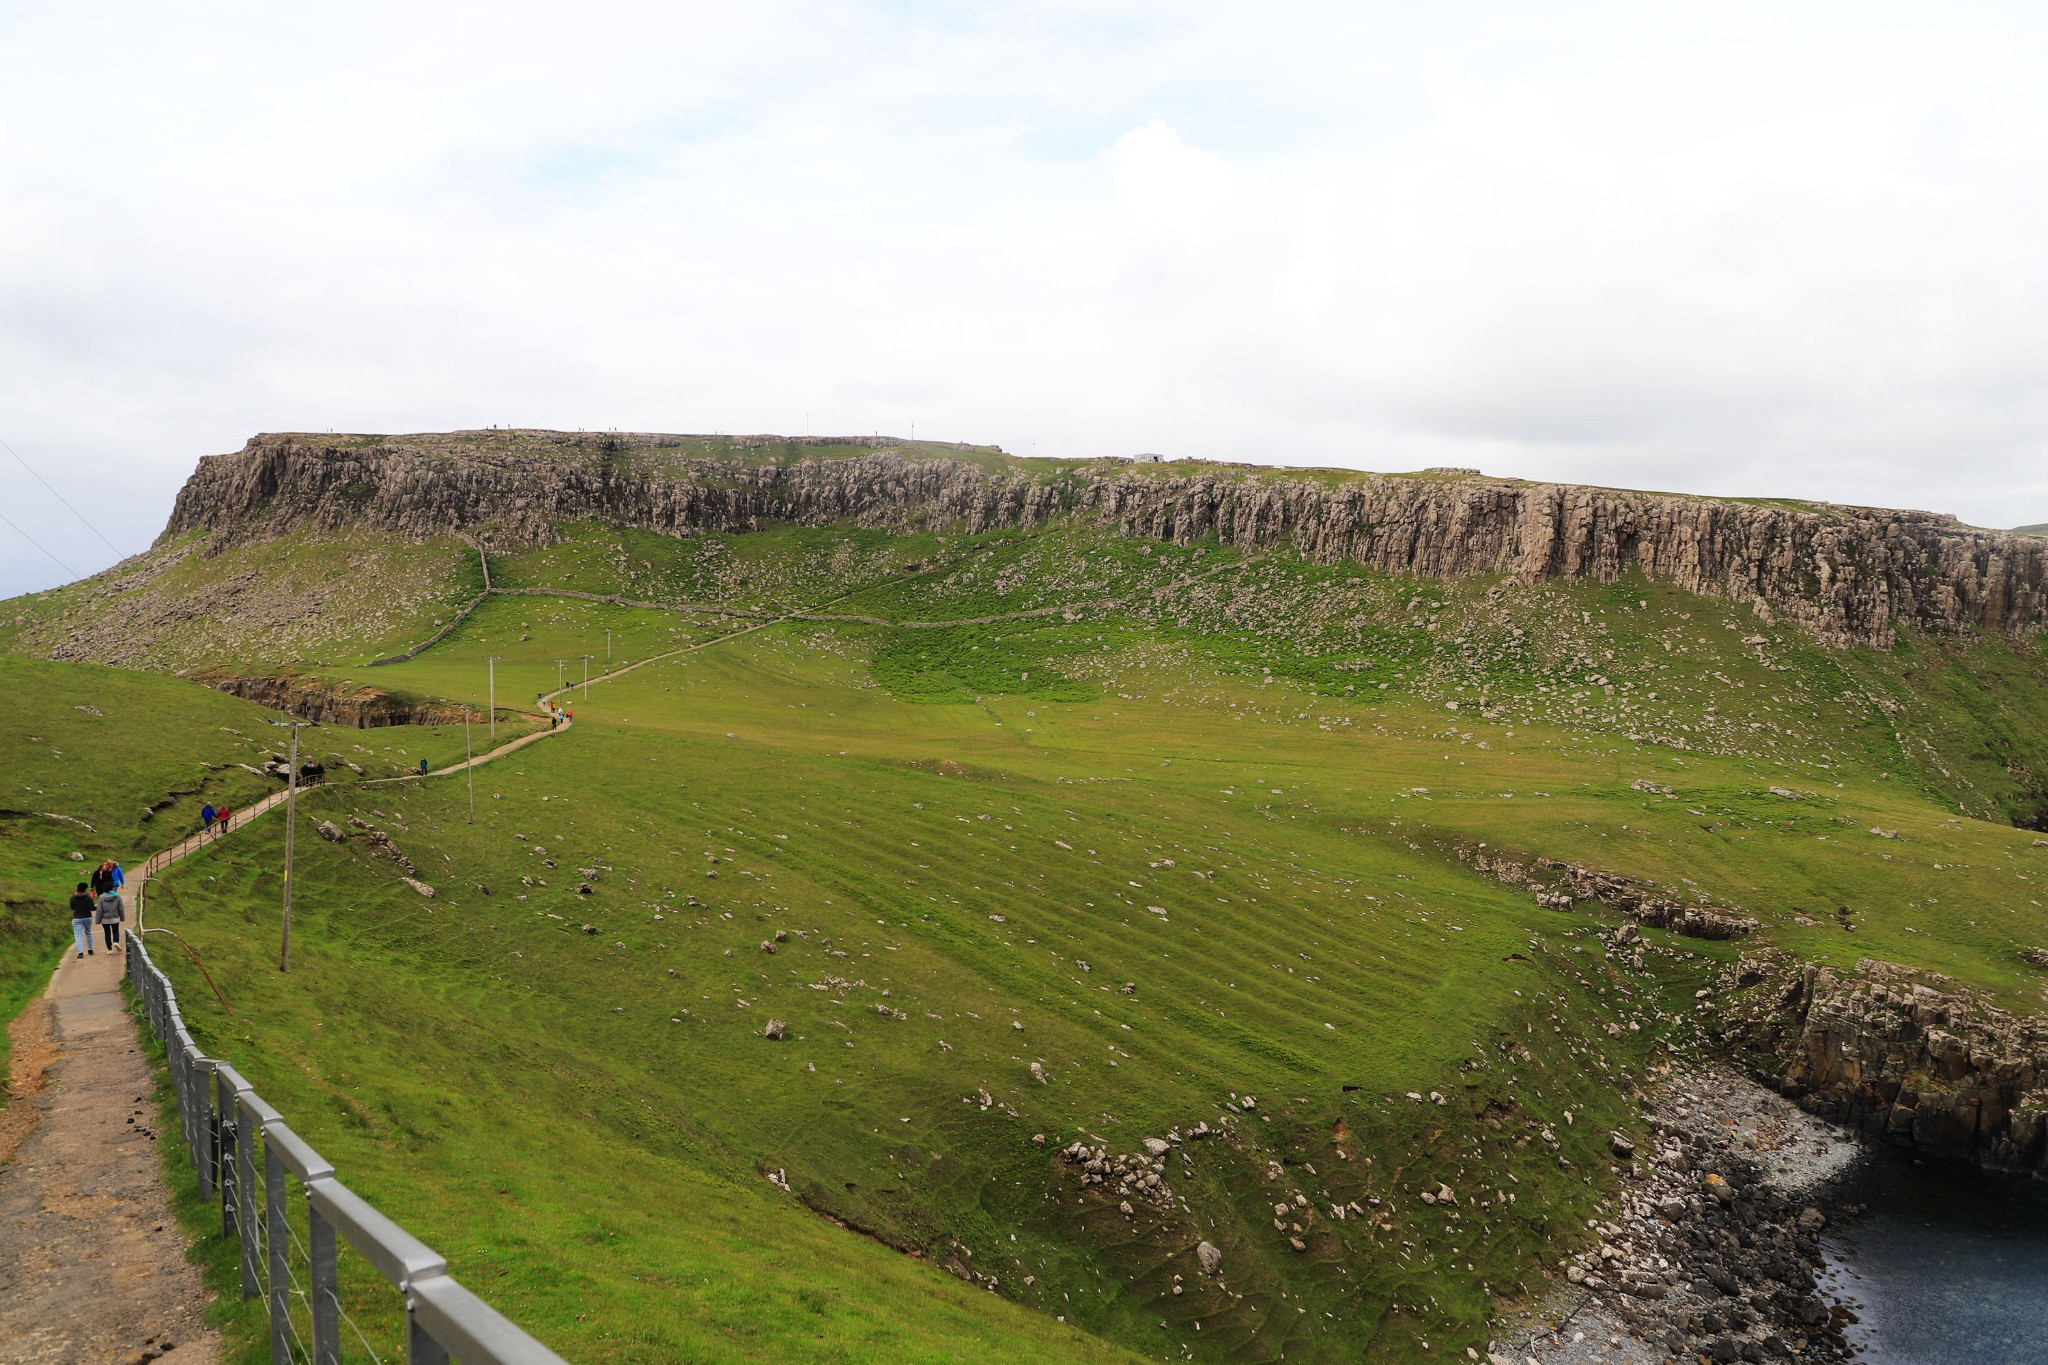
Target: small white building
[{"x": 1148, "y": 459}]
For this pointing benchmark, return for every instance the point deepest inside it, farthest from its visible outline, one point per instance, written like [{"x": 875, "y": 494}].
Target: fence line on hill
[{"x": 225, "y": 1122}]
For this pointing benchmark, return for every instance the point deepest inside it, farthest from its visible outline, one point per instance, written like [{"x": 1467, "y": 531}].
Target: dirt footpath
[{"x": 92, "y": 1268}]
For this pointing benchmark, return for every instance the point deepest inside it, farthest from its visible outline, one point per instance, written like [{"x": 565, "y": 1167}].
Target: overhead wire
[
  {"x": 60, "y": 498},
  {"x": 39, "y": 545}
]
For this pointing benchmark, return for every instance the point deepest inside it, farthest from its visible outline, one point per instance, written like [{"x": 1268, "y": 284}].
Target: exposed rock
[
  {"x": 1612, "y": 890},
  {"x": 416, "y": 884},
  {"x": 1851, "y": 574},
  {"x": 325, "y": 703},
  {"x": 773, "y": 1033},
  {"x": 383, "y": 844},
  {"x": 1208, "y": 1257},
  {"x": 331, "y": 832},
  {"x": 1932, "y": 1067}
]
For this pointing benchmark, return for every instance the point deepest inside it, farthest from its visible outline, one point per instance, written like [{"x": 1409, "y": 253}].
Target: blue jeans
[{"x": 81, "y": 933}]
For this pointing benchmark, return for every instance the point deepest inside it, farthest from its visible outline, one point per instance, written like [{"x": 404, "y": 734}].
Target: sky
[{"x": 1764, "y": 250}]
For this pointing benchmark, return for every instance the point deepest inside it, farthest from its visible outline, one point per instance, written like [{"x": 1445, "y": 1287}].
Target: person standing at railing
[
  {"x": 81, "y": 919},
  {"x": 110, "y": 914}
]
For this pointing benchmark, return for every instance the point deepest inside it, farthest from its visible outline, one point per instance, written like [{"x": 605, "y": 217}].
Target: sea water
[{"x": 1944, "y": 1265}]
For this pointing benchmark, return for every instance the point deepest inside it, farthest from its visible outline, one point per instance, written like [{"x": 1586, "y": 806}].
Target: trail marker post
[
  {"x": 469, "y": 764},
  {"x": 493, "y": 662},
  {"x": 586, "y": 677}
]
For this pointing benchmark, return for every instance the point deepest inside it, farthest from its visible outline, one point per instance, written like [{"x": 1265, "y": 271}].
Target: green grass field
[{"x": 941, "y": 853}]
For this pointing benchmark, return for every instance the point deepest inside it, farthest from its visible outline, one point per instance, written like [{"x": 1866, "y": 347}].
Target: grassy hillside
[
  {"x": 1173, "y": 826},
  {"x": 181, "y": 607}
]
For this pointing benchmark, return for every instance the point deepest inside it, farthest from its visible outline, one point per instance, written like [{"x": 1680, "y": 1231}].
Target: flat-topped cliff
[{"x": 1853, "y": 575}]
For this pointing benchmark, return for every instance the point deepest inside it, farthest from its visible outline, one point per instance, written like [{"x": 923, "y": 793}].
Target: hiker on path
[
  {"x": 81, "y": 919},
  {"x": 423, "y": 767},
  {"x": 206, "y": 818},
  {"x": 120, "y": 877},
  {"x": 110, "y": 913},
  {"x": 220, "y": 820},
  {"x": 103, "y": 878}
]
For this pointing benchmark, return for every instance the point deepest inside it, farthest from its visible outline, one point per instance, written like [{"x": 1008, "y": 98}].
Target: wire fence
[{"x": 249, "y": 1163}]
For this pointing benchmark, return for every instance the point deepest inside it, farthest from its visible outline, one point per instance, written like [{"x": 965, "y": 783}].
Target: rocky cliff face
[
  {"x": 365, "y": 708},
  {"x": 1853, "y": 575},
  {"x": 1927, "y": 1067}
]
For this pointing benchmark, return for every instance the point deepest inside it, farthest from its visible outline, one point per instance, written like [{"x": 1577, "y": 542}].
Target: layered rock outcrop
[
  {"x": 324, "y": 703},
  {"x": 1929, "y": 1067},
  {"x": 1853, "y": 575},
  {"x": 1558, "y": 885}
]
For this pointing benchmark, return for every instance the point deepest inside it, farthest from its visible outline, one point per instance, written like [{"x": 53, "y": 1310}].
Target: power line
[
  {"x": 60, "y": 498},
  {"x": 33, "y": 541}
]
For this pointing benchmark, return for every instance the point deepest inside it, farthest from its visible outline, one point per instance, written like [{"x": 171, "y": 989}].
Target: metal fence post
[
  {"x": 420, "y": 1348},
  {"x": 239, "y": 1127},
  {"x": 229, "y": 1129},
  {"x": 204, "y": 1124},
  {"x": 324, "y": 1287},
  {"x": 279, "y": 1235}
]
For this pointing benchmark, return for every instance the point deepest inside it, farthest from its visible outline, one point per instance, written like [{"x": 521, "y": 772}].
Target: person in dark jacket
[
  {"x": 109, "y": 911},
  {"x": 81, "y": 919},
  {"x": 103, "y": 878}
]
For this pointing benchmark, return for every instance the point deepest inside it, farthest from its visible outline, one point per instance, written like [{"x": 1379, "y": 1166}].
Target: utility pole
[
  {"x": 607, "y": 649},
  {"x": 469, "y": 764},
  {"x": 493, "y": 662},
  {"x": 291, "y": 812},
  {"x": 586, "y": 677},
  {"x": 560, "y": 664}
]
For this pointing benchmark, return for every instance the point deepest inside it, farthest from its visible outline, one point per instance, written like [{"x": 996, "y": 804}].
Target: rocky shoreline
[{"x": 1713, "y": 1251}]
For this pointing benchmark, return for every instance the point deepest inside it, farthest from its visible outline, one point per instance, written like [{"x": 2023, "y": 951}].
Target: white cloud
[{"x": 1741, "y": 250}]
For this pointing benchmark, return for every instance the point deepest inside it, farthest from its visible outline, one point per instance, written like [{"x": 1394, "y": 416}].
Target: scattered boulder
[
  {"x": 1208, "y": 1257},
  {"x": 773, "y": 1033},
  {"x": 331, "y": 832}
]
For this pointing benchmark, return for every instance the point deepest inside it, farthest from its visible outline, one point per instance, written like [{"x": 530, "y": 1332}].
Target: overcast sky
[{"x": 1774, "y": 250}]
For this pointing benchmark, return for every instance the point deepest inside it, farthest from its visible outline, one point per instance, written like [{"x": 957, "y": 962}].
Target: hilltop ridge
[{"x": 1852, "y": 575}]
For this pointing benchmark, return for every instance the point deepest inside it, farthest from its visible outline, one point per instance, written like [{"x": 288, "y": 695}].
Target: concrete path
[{"x": 92, "y": 1266}]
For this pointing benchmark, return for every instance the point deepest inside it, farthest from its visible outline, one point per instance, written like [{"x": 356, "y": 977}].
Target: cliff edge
[{"x": 1852, "y": 575}]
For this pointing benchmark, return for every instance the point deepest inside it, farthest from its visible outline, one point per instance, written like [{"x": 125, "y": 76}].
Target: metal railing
[{"x": 225, "y": 1123}]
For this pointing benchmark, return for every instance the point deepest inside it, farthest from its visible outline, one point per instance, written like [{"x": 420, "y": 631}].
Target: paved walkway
[{"x": 92, "y": 1266}]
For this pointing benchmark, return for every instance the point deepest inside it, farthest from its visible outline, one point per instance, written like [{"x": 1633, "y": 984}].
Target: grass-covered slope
[
  {"x": 104, "y": 764},
  {"x": 967, "y": 790},
  {"x": 187, "y": 605}
]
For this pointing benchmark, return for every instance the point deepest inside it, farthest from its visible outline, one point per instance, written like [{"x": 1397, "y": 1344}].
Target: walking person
[
  {"x": 103, "y": 878},
  {"x": 110, "y": 912},
  {"x": 207, "y": 815},
  {"x": 220, "y": 819},
  {"x": 81, "y": 919}
]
